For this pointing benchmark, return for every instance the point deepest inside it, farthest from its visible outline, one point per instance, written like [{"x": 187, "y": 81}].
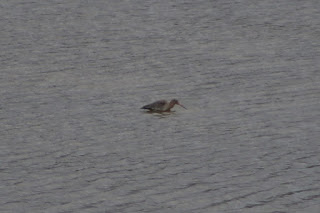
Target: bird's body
[{"x": 162, "y": 105}]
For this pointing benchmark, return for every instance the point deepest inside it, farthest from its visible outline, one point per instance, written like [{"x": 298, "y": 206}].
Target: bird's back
[{"x": 158, "y": 105}]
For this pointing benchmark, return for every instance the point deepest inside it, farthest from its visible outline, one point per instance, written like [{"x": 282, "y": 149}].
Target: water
[{"x": 74, "y": 75}]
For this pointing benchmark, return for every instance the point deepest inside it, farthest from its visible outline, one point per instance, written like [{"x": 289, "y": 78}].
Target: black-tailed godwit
[{"x": 162, "y": 105}]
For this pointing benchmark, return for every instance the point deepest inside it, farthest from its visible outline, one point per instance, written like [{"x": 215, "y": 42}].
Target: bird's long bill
[{"x": 181, "y": 106}]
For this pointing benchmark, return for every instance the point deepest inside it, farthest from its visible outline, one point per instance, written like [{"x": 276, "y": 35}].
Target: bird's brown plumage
[{"x": 162, "y": 105}]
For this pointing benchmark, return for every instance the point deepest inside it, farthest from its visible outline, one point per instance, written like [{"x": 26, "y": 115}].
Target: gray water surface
[{"x": 74, "y": 74}]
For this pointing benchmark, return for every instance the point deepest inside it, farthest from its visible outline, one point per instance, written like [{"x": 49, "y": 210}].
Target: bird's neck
[{"x": 171, "y": 104}]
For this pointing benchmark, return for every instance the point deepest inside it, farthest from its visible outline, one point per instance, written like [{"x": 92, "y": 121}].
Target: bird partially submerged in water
[{"x": 162, "y": 105}]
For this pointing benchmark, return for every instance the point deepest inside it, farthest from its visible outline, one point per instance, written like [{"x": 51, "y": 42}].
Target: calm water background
[{"x": 73, "y": 75}]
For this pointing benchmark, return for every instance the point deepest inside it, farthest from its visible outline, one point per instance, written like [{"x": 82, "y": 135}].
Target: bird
[{"x": 162, "y": 105}]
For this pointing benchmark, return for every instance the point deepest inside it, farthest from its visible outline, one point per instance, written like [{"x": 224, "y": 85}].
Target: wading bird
[{"x": 162, "y": 105}]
